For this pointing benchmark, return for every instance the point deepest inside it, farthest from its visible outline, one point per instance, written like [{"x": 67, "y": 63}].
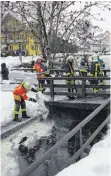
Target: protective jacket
[
  {"x": 4, "y": 71},
  {"x": 102, "y": 64},
  {"x": 20, "y": 92},
  {"x": 69, "y": 69},
  {"x": 69, "y": 72},
  {"x": 47, "y": 69},
  {"x": 84, "y": 67},
  {"x": 95, "y": 69},
  {"x": 39, "y": 67}
]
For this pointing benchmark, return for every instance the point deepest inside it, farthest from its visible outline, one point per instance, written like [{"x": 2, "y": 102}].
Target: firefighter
[
  {"x": 4, "y": 72},
  {"x": 40, "y": 68},
  {"x": 102, "y": 67},
  {"x": 84, "y": 66},
  {"x": 19, "y": 97},
  {"x": 70, "y": 73},
  {"x": 95, "y": 71},
  {"x": 47, "y": 70},
  {"x": 49, "y": 57}
]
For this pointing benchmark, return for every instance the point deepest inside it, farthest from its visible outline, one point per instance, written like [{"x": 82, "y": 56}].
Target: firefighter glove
[
  {"x": 32, "y": 99},
  {"x": 34, "y": 90}
]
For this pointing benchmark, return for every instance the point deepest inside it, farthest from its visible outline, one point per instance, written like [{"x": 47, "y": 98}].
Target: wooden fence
[{"x": 82, "y": 86}]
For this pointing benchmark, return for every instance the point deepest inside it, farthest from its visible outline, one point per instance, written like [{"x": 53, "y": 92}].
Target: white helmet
[
  {"x": 94, "y": 58},
  {"x": 39, "y": 58},
  {"x": 90, "y": 59},
  {"x": 27, "y": 85},
  {"x": 70, "y": 58}
]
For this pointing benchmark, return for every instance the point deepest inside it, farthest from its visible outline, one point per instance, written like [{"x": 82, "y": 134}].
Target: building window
[
  {"x": 11, "y": 48},
  {"x": 34, "y": 47}
]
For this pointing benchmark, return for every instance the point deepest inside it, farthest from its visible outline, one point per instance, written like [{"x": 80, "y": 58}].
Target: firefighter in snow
[
  {"x": 20, "y": 96},
  {"x": 95, "y": 71}
]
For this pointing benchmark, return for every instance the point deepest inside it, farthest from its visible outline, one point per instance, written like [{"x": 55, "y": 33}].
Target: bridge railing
[
  {"x": 55, "y": 70},
  {"x": 82, "y": 86},
  {"x": 66, "y": 138}
]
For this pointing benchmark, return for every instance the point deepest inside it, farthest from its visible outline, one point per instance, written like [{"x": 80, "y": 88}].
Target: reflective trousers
[
  {"x": 47, "y": 75},
  {"x": 71, "y": 82},
  {"x": 17, "y": 106},
  {"x": 101, "y": 74},
  {"x": 41, "y": 85},
  {"x": 94, "y": 82}
]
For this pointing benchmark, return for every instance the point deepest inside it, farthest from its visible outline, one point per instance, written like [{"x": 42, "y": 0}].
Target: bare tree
[{"x": 68, "y": 20}]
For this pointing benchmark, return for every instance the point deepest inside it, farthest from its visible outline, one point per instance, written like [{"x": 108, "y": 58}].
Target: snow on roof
[{"x": 8, "y": 13}]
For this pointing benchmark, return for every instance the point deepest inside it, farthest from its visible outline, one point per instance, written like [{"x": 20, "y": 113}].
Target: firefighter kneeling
[
  {"x": 95, "y": 72},
  {"x": 20, "y": 96},
  {"x": 70, "y": 73}
]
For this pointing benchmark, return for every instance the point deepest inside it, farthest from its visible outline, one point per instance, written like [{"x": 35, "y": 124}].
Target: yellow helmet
[{"x": 27, "y": 85}]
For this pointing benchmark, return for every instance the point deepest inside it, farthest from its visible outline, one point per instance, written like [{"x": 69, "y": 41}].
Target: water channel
[{"x": 65, "y": 119}]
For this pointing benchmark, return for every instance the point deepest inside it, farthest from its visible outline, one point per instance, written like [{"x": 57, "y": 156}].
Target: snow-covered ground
[
  {"x": 33, "y": 109},
  {"x": 97, "y": 163},
  {"x": 12, "y": 61}
]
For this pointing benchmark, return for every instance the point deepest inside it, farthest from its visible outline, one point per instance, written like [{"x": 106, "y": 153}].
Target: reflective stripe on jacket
[
  {"x": 102, "y": 64},
  {"x": 39, "y": 67},
  {"x": 83, "y": 66},
  {"x": 20, "y": 92},
  {"x": 95, "y": 69}
]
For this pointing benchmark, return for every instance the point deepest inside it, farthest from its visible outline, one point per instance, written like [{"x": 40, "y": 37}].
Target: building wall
[
  {"x": 13, "y": 34},
  {"x": 13, "y": 47}
]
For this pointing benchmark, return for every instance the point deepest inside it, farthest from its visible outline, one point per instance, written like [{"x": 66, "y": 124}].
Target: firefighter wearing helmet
[
  {"x": 40, "y": 69},
  {"x": 102, "y": 67},
  {"x": 69, "y": 69},
  {"x": 84, "y": 65},
  {"x": 20, "y": 96},
  {"x": 95, "y": 71}
]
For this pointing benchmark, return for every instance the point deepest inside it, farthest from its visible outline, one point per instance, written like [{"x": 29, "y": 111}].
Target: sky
[{"x": 106, "y": 15}]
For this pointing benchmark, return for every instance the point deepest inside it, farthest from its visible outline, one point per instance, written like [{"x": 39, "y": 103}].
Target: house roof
[{"x": 7, "y": 14}]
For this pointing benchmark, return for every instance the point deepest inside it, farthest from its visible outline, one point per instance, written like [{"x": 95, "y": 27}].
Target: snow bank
[
  {"x": 97, "y": 163},
  {"x": 33, "y": 109},
  {"x": 12, "y": 61}
]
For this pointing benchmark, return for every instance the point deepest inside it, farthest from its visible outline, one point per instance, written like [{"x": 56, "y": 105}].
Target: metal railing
[{"x": 65, "y": 139}]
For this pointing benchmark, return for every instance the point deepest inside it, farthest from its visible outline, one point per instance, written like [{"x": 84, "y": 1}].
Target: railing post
[
  {"x": 52, "y": 89},
  {"x": 83, "y": 88},
  {"x": 81, "y": 139},
  {"x": 104, "y": 72}
]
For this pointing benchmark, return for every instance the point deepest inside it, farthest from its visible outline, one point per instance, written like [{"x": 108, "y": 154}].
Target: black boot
[
  {"x": 16, "y": 118},
  {"x": 24, "y": 115}
]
